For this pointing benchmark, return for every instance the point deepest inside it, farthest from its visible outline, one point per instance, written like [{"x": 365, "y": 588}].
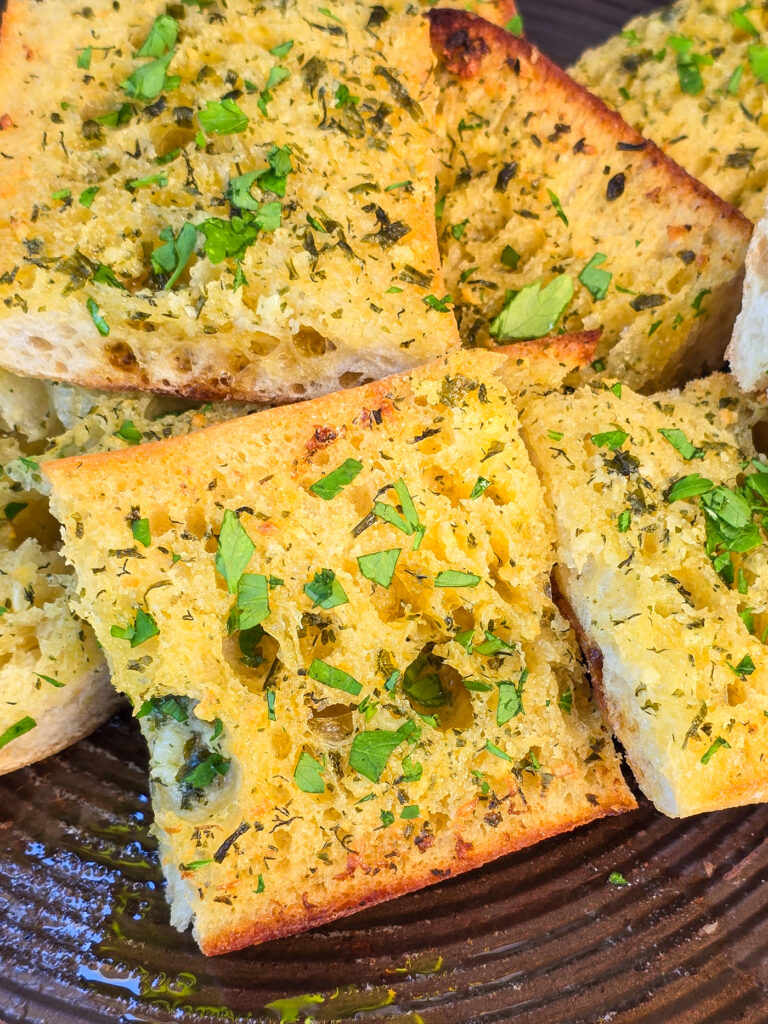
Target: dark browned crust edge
[
  {"x": 302, "y": 919},
  {"x": 463, "y": 41},
  {"x": 578, "y": 349}
]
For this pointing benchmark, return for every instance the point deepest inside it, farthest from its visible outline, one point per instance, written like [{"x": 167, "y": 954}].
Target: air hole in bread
[
  {"x": 41, "y": 344},
  {"x": 310, "y": 342},
  {"x": 349, "y": 379},
  {"x": 253, "y": 655},
  {"x": 166, "y": 139},
  {"x": 332, "y": 722},
  {"x": 121, "y": 355},
  {"x": 433, "y": 687}
]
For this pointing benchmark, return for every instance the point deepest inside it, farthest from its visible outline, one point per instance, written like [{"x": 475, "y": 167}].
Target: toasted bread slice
[
  {"x": 234, "y": 206},
  {"x": 546, "y": 193},
  {"x": 54, "y": 685},
  {"x": 390, "y": 697},
  {"x": 664, "y": 564},
  {"x": 689, "y": 77},
  {"x": 747, "y": 352}
]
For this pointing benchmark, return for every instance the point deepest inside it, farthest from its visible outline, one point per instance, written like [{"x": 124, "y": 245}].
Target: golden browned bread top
[
  {"x": 693, "y": 78},
  {"x": 335, "y": 626},
  {"x": 659, "y": 508},
  {"x": 554, "y": 212},
  {"x": 219, "y": 203}
]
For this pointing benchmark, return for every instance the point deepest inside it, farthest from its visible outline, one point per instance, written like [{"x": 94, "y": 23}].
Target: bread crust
[
  {"x": 425, "y": 426},
  {"x": 304, "y": 302},
  {"x": 228, "y": 941},
  {"x": 485, "y": 68}
]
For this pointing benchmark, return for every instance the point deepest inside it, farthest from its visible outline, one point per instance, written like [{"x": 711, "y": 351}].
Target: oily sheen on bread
[
  {"x": 554, "y": 211},
  {"x": 54, "y": 685},
  {"x": 690, "y": 78},
  {"x": 340, "y": 646},
  {"x": 659, "y": 506},
  {"x": 231, "y": 201}
]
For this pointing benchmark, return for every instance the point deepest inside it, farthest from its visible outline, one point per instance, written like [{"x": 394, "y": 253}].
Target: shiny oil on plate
[{"x": 540, "y": 937}]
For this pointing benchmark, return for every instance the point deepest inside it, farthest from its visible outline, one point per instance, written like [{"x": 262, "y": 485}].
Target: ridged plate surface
[{"x": 540, "y": 937}]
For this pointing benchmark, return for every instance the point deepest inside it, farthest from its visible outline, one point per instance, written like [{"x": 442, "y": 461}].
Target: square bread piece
[
  {"x": 692, "y": 77},
  {"x": 553, "y": 211},
  {"x": 54, "y": 683},
  {"x": 660, "y": 508},
  {"x": 231, "y": 202},
  {"x": 341, "y": 648}
]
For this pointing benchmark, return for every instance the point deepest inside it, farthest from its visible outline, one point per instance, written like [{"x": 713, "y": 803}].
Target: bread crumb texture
[
  {"x": 554, "y": 213},
  {"x": 340, "y": 646},
  {"x": 692, "y": 77},
  {"x": 53, "y": 678},
  {"x": 659, "y": 507},
  {"x": 224, "y": 202}
]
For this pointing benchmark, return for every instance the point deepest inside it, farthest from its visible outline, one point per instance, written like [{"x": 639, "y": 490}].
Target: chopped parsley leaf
[
  {"x": 688, "y": 487},
  {"x": 496, "y": 751},
  {"x": 101, "y": 324},
  {"x": 612, "y": 439},
  {"x": 141, "y": 531},
  {"x": 160, "y": 179},
  {"x": 558, "y": 206},
  {"x": 234, "y": 550},
  {"x": 713, "y": 749},
  {"x": 439, "y": 305},
  {"x": 596, "y": 281},
  {"x": 333, "y": 483},
  {"x": 744, "y": 668},
  {"x": 344, "y": 98},
  {"x": 681, "y": 444},
  {"x": 409, "y": 522},
  {"x": 282, "y": 49},
  {"x": 129, "y": 432},
  {"x": 509, "y": 257},
  {"x": 17, "y": 729},
  {"x": 456, "y": 578},
  {"x": 334, "y": 677},
  {"x": 87, "y": 196},
  {"x": 49, "y": 679},
  {"x": 387, "y": 819},
  {"x": 372, "y": 749},
  {"x": 308, "y": 774},
  {"x": 84, "y": 58},
  {"x": 410, "y": 811},
  {"x": 565, "y": 701},
  {"x": 222, "y": 117},
  {"x": 510, "y": 699},
  {"x": 379, "y": 566},
  {"x": 148, "y": 81},
  {"x": 277, "y": 74},
  {"x": 252, "y": 606},
  {"x": 172, "y": 257},
  {"x": 162, "y": 37},
  {"x": 533, "y": 311},
  {"x": 616, "y": 878},
  {"x": 624, "y": 520},
  {"x": 144, "y": 628},
  {"x": 758, "y": 62},
  {"x": 325, "y": 591},
  {"x": 481, "y": 485}
]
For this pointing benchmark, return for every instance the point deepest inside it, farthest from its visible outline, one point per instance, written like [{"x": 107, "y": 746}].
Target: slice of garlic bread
[
  {"x": 747, "y": 352},
  {"x": 553, "y": 211},
  {"x": 660, "y": 508},
  {"x": 231, "y": 201},
  {"x": 692, "y": 77},
  {"x": 340, "y": 646},
  {"x": 54, "y": 685}
]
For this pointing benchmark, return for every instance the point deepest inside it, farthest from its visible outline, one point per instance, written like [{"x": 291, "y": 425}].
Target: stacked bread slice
[
  {"x": 661, "y": 505},
  {"x": 692, "y": 77},
  {"x": 237, "y": 207},
  {"x": 54, "y": 682},
  {"x": 555, "y": 212}
]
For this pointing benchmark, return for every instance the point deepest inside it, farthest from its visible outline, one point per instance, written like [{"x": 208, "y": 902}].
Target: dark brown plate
[{"x": 540, "y": 937}]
